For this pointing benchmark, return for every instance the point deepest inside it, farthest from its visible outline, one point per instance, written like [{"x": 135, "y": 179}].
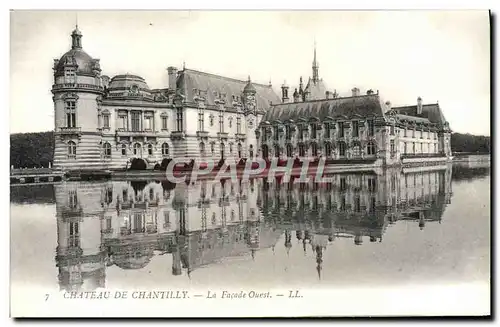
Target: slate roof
[
  {"x": 430, "y": 111},
  {"x": 343, "y": 108},
  {"x": 189, "y": 79}
]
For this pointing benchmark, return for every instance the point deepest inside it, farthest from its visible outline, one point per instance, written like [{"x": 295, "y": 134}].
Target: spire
[
  {"x": 76, "y": 38},
  {"x": 315, "y": 66}
]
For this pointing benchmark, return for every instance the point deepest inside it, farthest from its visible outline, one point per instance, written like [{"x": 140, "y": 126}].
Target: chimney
[
  {"x": 284, "y": 93},
  {"x": 419, "y": 106},
  {"x": 355, "y": 92},
  {"x": 388, "y": 104},
  {"x": 328, "y": 95},
  {"x": 172, "y": 78},
  {"x": 369, "y": 92}
]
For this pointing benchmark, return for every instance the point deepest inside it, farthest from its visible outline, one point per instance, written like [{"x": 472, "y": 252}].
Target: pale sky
[{"x": 439, "y": 55}]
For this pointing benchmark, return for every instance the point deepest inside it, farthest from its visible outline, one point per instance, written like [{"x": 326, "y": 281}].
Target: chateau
[
  {"x": 103, "y": 122},
  {"x": 126, "y": 224}
]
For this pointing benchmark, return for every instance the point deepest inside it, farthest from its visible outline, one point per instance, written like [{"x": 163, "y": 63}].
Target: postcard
[{"x": 250, "y": 163}]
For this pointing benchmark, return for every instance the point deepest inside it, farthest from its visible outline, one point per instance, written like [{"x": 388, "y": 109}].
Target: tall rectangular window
[
  {"x": 164, "y": 123},
  {"x": 371, "y": 128},
  {"x": 221, "y": 122},
  {"x": 327, "y": 130},
  {"x": 179, "y": 119},
  {"x": 393, "y": 148},
  {"x": 392, "y": 128},
  {"x": 238, "y": 125},
  {"x": 276, "y": 133},
  {"x": 136, "y": 121},
  {"x": 355, "y": 129},
  {"x": 314, "y": 131},
  {"x": 70, "y": 107},
  {"x": 105, "y": 121},
  {"x": 341, "y": 129},
  {"x": 201, "y": 120}
]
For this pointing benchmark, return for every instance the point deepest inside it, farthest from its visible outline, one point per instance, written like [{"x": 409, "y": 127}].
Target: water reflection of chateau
[{"x": 101, "y": 224}]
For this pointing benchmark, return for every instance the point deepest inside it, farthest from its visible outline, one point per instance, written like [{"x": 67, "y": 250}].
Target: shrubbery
[{"x": 138, "y": 164}]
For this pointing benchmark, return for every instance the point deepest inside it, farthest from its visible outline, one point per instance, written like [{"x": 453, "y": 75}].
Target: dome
[
  {"x": 249, "y": 87},
  {"x": 76, "y": 57},
  {"x": 128, "y": 85}
]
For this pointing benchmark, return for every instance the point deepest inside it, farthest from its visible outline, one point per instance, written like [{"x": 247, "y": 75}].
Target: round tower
[{"x": 77, "y": 91}]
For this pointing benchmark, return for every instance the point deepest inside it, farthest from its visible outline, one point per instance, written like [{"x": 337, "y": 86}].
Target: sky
[{"x": 441, "y": 56}]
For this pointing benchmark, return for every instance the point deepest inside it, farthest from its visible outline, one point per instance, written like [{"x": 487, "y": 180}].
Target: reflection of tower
[
  {"x": 79, "y": 256},
  {"x": 319, "y": 260},
  {"x": 288, "y": 241},
  {"x": 421, "y": 221},
  {"x": 253, "y": 237},
  {"x": 176, "y": 261}
]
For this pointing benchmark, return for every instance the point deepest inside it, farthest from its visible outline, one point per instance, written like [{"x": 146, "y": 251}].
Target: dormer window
[{"x": 70, "y": 75}]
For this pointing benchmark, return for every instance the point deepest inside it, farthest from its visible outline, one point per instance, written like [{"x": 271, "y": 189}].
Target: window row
[
  {"x": 342, "y": 148},
  {"x": 136, "y": 149},
  {"x": 313, "y": 129}
]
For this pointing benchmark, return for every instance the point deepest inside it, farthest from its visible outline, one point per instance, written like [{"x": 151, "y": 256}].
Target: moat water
[{"x": 413, "y": 226}]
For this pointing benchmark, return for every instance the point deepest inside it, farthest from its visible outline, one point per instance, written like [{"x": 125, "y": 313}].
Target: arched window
[
  {"x": 370, "y": 149},
  {"x": 328, "y": 149},
  {"x": 277, "y": 151},
  {"x": 342, "y": 148},
  {"x": 124, "y": 149},
  {"x": 289, "y": 150},
  {"x": 250, "y": 152},
  {"x": 137, "y": 149},
  {"x": 231, "y": 148},
  {"x": 202, "y": 149},
  {"x": 71, "y": 149},
  {"x": 212, "y": 148},
  {"x": 107, "y": 150},
  {"x": 150, "y": 149},
  {"x": 164, "y": 149},
  {"x": 404, "y": 148}
]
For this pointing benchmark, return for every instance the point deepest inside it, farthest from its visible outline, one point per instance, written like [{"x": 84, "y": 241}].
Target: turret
[{"x": 77, "y": 90}]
